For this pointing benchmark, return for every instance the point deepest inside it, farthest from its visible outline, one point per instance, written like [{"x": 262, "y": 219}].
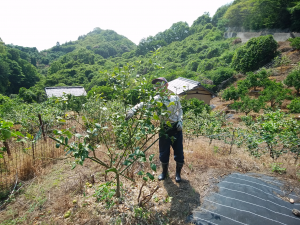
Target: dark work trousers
[{"x": 164, "y": 147}]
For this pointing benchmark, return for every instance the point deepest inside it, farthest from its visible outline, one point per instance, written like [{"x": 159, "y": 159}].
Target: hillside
[
  {"x": 105, "y": 43},
  {"x": 262, "y": 14},
  {"x": 198, "y": 51},
  {"x": 277, "y": 72}
]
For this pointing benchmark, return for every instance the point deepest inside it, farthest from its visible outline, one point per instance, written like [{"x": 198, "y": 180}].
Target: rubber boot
[
  {"x": 178, "y": 171},
  {"x": 164, "y": 173}
]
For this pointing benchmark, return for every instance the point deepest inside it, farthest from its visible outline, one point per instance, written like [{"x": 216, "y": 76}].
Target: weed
[
  {"x": 277, "y": 169},
  {"x": 105, "y": 193},
  {"x": 118, "y": 221},
  {"x": 141, "y": 213},
  {"x": 216, "y": 149},
  {"x": 168, "y": 199},
  {"x": 155, "y": 198},
  {"x": 190, "y": 166}
]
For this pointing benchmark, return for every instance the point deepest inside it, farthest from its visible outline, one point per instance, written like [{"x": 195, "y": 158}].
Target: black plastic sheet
[{"x": 247, "y": 199}]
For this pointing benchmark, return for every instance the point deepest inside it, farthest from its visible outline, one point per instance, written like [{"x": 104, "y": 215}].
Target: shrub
[
  {"x": 27, "y": 95},
  {"x": 293, "y": 80},
  {"x": 254, "y": 54},
  {"x": 194, "y": 104},
  {"x": 295, "y": 42},
  {"x": 213, "y": 52},
  {"x": 276, "y": 167},
  {"x": 214, "y": 35},
  {"x": 206, "y": 65},
  {"x": 294, "y": 106},
  {"x": 192, "y": 65},
  {"x": 221, "y": 74},
  {"x": 3, "y": 99}
]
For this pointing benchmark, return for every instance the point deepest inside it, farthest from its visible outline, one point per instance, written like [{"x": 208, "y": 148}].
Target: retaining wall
[{"x": 279, "y": 35}]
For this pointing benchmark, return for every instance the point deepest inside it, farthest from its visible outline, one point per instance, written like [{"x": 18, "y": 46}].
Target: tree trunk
[
  {"x": 118, "y": 194},
  {"x": 7, "y": 148}
]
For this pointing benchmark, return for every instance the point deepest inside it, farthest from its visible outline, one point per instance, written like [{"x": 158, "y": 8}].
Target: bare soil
[{"x": 46, "y": 198}]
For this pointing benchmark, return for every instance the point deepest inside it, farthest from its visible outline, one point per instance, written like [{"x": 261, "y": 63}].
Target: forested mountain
[
  {"x": 194, "y": 52},
  {"x": 199, "y": 51},
  {"x": 261, "y": 14},
  {"x": 16, "y": 71},
  {"x": 19, "y": 66},
  {"x": 106, "y": 43}
]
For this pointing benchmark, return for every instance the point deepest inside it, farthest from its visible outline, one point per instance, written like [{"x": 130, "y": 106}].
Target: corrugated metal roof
[
  {"x": 181, "y": 85},
  {"x": 59, "y": 91}
]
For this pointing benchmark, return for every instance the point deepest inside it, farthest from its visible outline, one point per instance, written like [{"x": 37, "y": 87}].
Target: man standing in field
[{"x": 171, "y": 134}]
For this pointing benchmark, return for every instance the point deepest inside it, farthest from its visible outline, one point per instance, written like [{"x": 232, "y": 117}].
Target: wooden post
[{"x": 42, "y": 126}]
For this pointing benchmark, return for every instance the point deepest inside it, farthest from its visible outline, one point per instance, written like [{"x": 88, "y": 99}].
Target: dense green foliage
[
  {"x": 16, "y": 71},
  {"x": 198, "y": 52},
  {"x": 256, "y": 53},
  {"x": 293, "y": 80},
  {"x": 194, "y": 105},
  {"x": 276, "y": 130},
  {"x": 6, "y": 132},
  {"x": 295, "y": 42},
  {"x": 261, "y": 14},
  {"x": 294, "y": 106},
  {"x": 272, "y": 92},
  {"x": 177, "y": 32},
  {"x": 106, "y": 43}
]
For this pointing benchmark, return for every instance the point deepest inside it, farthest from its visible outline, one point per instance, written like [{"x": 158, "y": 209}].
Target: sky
[{"x": 42, "y": 23}]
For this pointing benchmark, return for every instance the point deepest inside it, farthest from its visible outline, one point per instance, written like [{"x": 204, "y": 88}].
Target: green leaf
[
  {"x": 78, "y": 135},
  {"x": 169, "y": 124},
  {"x": 57, "y": 132},
  {"x": 171, "y": 103},
  {"x": 6, "y": 134},
  {"x": 57, "y": 145},
  {"x": 145, "y": 178},
  {"x": 111, "y": 170},
  {"x": 151, "y": 157},
  {"x": 143, "y": 159},
  {"x": 68, "y": 133},
  {"x": 97, "y": 125},
  {"x": 150, "y": 176},
  {"x": 29, "y": 136},
  {"x": 155, "y": 117},
  {"x": 153, "y": 167},
  {"x": 66, "y": 140},
  {"x": 73, "y": 165},
  {"x": 127, "y": 162},
  {"x": 140, "y": 173},
  {"x": 139, "y": 153},
  {"x": 19, "y": 133}
]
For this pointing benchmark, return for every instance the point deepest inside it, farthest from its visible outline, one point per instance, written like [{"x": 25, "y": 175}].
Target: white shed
[
  {"x": 59, "y": 91},
  {"x": 190, "y": 89}
]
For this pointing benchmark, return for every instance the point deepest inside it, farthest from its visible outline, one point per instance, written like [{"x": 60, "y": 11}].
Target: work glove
[
  {"x": 130, "y": 114},
  {"x": 179, "y": 126}
]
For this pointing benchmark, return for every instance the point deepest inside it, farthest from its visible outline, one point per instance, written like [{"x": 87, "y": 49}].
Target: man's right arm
[{"x": 133, "y": 110}]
